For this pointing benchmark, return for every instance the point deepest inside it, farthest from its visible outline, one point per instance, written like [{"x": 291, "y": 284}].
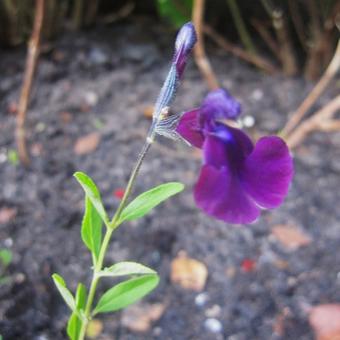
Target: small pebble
[
  {"x": 213, "y": 311},
  {"x": 157, "y": 331},
  {"x": 248, "y": 121},
  {"x": 213, "y": 325},
  {"x": 42, "y": 337},
  {"x": 40, "y": 127},
  {"x": 257, "y": 94},
  {"x": 8, "y": 242},
  {"x": 201, "y": 299},
  {"x": 3, "y": 157},
  {"x": 91, "y": 98},
  {"x": 97, "y": 56}
]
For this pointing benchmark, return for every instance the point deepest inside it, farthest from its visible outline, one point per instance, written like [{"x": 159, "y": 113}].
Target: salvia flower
[
  {"x": 237, "y": 179},
  {"x": 162, "y": 123}
]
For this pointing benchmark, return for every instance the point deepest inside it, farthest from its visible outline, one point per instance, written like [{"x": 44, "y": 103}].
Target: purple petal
[
  {"x": 215, "y": 153},
  {"x": 185, "y": 41},
  {"x": 268, "y": 172},
  {"x": 226, "y": 146},
  {"x": 189, "y": 129},
  {"x": 219, "y": 193},
  {"x": 219, "y": 104}
]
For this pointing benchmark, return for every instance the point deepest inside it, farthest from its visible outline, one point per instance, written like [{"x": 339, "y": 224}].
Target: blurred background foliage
[{"x": 298, "y": 34}]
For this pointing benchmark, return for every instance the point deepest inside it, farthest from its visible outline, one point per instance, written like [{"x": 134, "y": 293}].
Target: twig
[
  {"x": 241, "y": 27},
  {"x": 123, "y": 12},
  {"x": 267, "y": 37},
  {"x": 286, "y": 50},
  {"x": 239, "y": 52},
  {"x": 314, "y": 57},
  {"x": 297, "y": 22},
  {"x": 321, "y": 120},
  {"x": 31, "y": 61},
  {"x": 330, "y": 72},
  {"x": 199, "y": 51},
  {"x": 91, "y": 12},
  {"x": 78, "y": 10}
]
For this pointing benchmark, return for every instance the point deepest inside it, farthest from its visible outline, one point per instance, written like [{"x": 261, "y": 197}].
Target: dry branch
[
  {"x": 241, "y": 27},
  {"x": 239, "y": 52},
  {"x": 31, "y": 61},
  {"x": 330, "y": 72},
  {"x": 279, "y": 23},
  {"x": 199, "y": 51},
  {"x": 298, "y": 22},
  {"x": 321, "y": 120},
  {"x": 267, "y": 37}
]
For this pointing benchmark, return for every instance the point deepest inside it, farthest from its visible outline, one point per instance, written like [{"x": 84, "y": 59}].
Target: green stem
[
  {"x": 94, "y": 282},
  {"x": 109, "y": 230},
  {"x": 134, "y": 173}
]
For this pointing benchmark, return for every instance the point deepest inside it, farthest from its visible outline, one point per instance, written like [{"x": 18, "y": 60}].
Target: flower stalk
[{"x": 184, "y": 43}]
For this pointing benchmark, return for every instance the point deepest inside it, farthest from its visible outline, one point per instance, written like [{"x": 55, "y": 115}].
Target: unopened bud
[{"x": 185, "y": 41}]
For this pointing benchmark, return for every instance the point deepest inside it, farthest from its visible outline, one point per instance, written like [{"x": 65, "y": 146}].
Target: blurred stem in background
[
  {"x": 31, "y": 61},
  {"x": 199, "y": 52},
  {"x": 241, "y": 27},
  {"x": 279, "y": 22},
  {"x": 319, "y": 88},
  {"x": 78, "y": 9},
  {"x": 299, "y": 31}
]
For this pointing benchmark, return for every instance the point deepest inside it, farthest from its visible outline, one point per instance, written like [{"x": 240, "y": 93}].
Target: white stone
[
  {"x": 213, "y": 325},
  {"x": 201, "y": 299},
  {"x": 248, "y": 121}
]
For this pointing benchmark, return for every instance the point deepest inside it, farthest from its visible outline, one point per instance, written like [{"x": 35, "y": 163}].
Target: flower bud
[{"x": 185, "y": 41}]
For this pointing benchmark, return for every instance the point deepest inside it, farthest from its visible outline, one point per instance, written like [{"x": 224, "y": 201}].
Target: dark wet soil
[{"x": 101, "y": 81}]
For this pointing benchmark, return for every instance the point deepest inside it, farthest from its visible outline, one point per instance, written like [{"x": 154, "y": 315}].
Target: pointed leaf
[
  {"x": 92, "y": 193},
  {"x": 73, "y": 327},
  {"x": 81, "y": 296},
  {"x": 65, "y": 293},
  {"x": 146, "y": 201},
  {"x": 126, "y": 268},
  {"x": 91, "y": 229},
  {"x": 126, "y": 293},
  {"x": 74, "y": 322}
]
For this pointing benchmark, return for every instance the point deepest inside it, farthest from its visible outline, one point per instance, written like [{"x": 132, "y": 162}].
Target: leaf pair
[
  {"x": 119, "y": 296},
  {"x": 139, "y": 207},
  {"x": 129, "y": 291}
]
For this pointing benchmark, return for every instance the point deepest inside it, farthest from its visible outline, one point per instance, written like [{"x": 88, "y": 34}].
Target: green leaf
[
  {"x": 65, "y": 293},
  {"x": 146, "y": 201},
  {"x": 92, "y": 193},
  {"x": 81, "y": 296},
  {"x": 5, "y": 257},
  {"x": 91, "y": 229},
  {"x": 176, "y": 11},
  {"x": 126, "y": 293},
  {"x": 13, "y": 157},
  {"x": 74, "y": 322},
  {"x": 73, "y": 327},
  {"x": 126, "y": 268}
]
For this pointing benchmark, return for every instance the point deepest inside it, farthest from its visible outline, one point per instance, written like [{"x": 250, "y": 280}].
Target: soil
[{"x": 101, "y": 81}]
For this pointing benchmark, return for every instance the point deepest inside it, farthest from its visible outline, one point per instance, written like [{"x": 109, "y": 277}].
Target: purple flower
[{"x": 237, "y": 179}]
